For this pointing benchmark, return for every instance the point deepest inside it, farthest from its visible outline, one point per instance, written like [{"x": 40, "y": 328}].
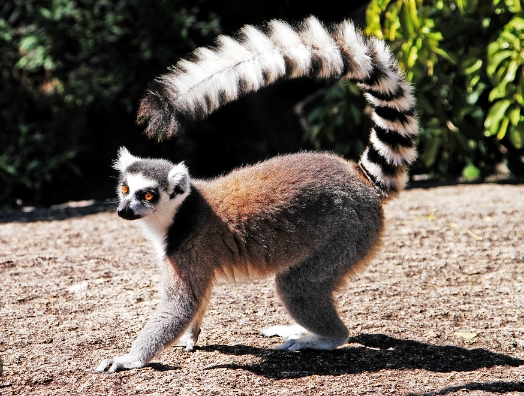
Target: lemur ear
[
  {"x": 178, "y": 178},
  {"x": 125, "y": 158}
]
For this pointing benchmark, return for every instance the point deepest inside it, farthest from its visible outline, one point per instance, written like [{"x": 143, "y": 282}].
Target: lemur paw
[
  {"x": 124, "y": 362},
  {"x": 286, "y": 332},
  {"x": 311, "y": 341},
  {"x": 188, "y": 341}
]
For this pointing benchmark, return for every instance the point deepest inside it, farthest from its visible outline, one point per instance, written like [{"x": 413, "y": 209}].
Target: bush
[
  {"x": 466, "y": 60},
  {"x": 65, "y": 62}
]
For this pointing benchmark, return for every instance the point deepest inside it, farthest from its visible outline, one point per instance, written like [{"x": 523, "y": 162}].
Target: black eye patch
[{"x": 148, "y": 195}]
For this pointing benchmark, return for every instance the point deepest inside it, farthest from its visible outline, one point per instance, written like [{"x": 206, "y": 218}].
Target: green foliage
[
  {"x": 62, "y": 61},
  {"x": 343, "y": 108},
  {"x": 506, "y": 70},
  {"x": 465, "y": 58}
]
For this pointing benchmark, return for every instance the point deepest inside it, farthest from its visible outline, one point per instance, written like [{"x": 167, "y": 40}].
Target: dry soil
[{"x": 438, "y": 312}]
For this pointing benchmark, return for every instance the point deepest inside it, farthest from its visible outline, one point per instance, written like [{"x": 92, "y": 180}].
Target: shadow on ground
[
  {"x": 378, "y": 352},
  {"x": 64, "y": 211},
  {"x": 491, "y": 387}
]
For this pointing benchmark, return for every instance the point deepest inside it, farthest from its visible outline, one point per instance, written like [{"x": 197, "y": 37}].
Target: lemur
[{"x": 310, "y": 218}]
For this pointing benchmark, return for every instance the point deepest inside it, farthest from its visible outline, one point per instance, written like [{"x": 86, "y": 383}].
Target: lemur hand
[{"x": 123, "y": 362}]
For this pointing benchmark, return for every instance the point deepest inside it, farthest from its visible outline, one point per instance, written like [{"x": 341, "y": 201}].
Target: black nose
[{"x": 127, "y": 213}]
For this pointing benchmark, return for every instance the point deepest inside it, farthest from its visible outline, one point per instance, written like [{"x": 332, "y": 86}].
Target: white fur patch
[
  {"x": 286, "y": 332},
  {"x": 125, "y": 158},
  {"x": 392, "y": 183},
  {"x": 316, "y": 37},
  {"x": 137, "y": 181},
  {"x": 179, "y": 176},
  {"x": 312, "y": 341},
  {"x": 289, "y": 44},
  {"x": 361, "y": 65},
  {"x": 402, "y": 155},
  {"x": 408, "y": 129},
  {"x": 267, "y": 54},
  {"x": 404, "y": 103},
  {"x": 156, "y": 224}
]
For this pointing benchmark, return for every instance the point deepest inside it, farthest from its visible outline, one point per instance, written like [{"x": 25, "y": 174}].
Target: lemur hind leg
[
  {"x": 190, "y": 337},
  {"x": 309, "y": 300}
]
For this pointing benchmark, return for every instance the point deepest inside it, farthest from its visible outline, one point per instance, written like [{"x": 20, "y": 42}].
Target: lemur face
[
  {"x": 138, "y": 196},
  {"x": 149, "y": 186}
]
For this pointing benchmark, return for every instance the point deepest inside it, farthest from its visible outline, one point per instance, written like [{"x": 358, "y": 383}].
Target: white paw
[
  {"x": 188, "y": 341},
  {"x": 312, "y": 341},
  {"x": 123, "y": 362},
  {"x": 286, "y": 332}
]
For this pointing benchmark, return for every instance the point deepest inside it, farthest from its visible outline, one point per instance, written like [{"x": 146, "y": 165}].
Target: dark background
[
  {"x": 253, "y": 128},
  {"x": 72, "y": 73}
]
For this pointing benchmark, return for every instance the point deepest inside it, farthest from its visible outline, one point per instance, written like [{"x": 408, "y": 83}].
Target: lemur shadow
[
  {"x": 377, "y": 352},
  {"x": 492, "y": 387},
  {"x": 162, "y": 367}
]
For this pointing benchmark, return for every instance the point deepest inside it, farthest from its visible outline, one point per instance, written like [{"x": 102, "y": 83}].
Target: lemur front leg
[{"x": 181, "y": 301}]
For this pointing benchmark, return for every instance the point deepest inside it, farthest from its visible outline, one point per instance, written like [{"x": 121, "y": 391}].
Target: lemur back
[{"x": 309, "y": 218}]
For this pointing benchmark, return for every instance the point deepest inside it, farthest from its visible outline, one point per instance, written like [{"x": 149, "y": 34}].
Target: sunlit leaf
[
  {"x": 495, "y": 115},
  {"x": 495, "y": 61},
  {"x": 474, "y": 67},
  {"x": 445, "y": 55},
  {"x": 503, "y": 128},
  {"x": 517, "y": 135},
  {"x": 28, "y": 43},
  {"x": 471, "y": 172},
  {"x": 498, "y": 92},
  {"x": 493, "y": 48},
  {"x": 514, "y": 115}
]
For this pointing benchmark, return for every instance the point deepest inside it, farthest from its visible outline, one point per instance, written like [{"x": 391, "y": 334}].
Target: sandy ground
[{"x": 438, "y": 312}]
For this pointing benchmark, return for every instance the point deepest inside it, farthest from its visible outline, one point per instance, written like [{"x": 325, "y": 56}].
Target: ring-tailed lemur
[{"x": 310, "y": 218}]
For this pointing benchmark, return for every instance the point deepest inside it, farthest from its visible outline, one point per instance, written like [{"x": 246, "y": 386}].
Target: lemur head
[{"x": 150, "y": 186}]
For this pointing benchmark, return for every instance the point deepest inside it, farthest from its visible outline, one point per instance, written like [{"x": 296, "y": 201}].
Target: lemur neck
[{"x": 155, "y": 228}]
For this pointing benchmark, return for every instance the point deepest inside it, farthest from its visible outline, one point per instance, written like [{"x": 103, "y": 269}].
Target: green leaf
[
  {"x": 498, "y": 92},
  {"x": 494, "y": 47},
  {"x": 449, "y": 57},
  {"x": 28, "y": 43},
  {"x": 436, "y": 36},
  {"x": 519, "y": 96},
  {"x": 495, "y": 115},
  {"x": 431, "y": 152},
  {"x": 512, "y": 70},
  {"x": 496, "y": 60},
  {"x": 508, "y": 37},
  {"x": 516, "y": 23},
  {"x": 47, "y": 14},
  {"x": 514, "y": 115},
  {"x": 517, "y": 136},
  {"x": 470, "y": 172},
  {"x": 503, "y": 128},
  {"x": 474, "y": 67}
]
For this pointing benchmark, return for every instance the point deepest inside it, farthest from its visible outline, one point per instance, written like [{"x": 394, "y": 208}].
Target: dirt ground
[{"x": 440, "y": 311}]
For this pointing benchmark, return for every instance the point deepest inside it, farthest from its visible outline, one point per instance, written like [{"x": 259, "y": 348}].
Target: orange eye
[
  {"x": 125, "y": 190},
  {"x": 148, "y": 197}
]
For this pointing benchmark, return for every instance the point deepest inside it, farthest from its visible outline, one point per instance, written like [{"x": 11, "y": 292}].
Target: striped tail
[{"x": 256, "y": 58}]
